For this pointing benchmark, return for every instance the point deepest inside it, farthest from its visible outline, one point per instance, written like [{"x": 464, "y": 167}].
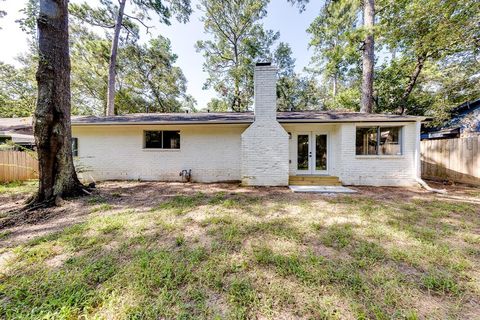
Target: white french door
[{"x": 312, "y": 156}]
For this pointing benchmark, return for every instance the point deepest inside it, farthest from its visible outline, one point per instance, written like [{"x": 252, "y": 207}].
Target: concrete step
[{"x": 314, "y": 181}]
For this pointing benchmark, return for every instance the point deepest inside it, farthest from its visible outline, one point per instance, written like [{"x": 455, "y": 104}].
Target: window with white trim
[
  {"x": 378, "y": 140},
  {"x": 161, "y": 139}
]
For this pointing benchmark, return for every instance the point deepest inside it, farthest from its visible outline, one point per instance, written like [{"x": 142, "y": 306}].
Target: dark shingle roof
[{"x": 238, "y": 118}]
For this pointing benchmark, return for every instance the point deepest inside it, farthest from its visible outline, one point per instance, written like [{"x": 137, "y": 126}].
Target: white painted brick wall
[
  {"x": 361, "y": 170},
  {"x": 113, "y": 152},
  {"x": 258, "y": 155},
  {"x": 331, "y": 130},
  {"x": 378, "y": 170},
  {"x": 265, "y": 142}
]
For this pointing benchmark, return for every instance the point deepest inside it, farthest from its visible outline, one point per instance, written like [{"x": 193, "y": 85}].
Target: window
[
  {"x": 162, "y": 140},
  {"x": 5, "y": 140},
  {"x": 75, "y": 147},
  {"x": 378, "y": 141}
]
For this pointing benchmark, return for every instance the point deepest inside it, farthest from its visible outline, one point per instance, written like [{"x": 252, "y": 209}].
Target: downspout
[{"x": 418, "y": 163}]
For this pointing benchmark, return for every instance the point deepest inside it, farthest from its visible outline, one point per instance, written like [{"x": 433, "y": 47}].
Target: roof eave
[
  {"x": 350, "y": 121},
  {"x": 151, "y": 123}
]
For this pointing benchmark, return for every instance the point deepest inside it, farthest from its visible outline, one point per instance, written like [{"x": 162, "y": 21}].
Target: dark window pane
[
  {"x": 302, "y": 160},
  {"x": 321, "y": 152},
  {"x": 390, "y": 141},
  {"x": 75, "y": 147},
  {"x": 153, "y": 139},
  {"x": 171, "y": 139},
  {"x": 4, "y": 140},
  {"x": 366, "y": 141}
]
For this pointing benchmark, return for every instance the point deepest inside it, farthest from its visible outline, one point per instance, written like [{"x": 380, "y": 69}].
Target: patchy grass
[
  {"x": 18, "y": 187},
  {"x": 159, "y": 251}
]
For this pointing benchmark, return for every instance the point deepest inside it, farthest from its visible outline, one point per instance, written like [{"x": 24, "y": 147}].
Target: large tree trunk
[
  {"x": 368, "y": 56},
  {"x": 112, "y": 66},
  {"x": 52, "y": 130}
]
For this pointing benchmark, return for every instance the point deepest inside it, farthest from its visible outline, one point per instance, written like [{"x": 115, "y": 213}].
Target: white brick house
[{"x": 264, "y": 148}]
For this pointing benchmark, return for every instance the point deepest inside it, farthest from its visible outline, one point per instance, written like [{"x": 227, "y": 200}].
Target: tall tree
[
  {"x": 368, "y": 59},
  {"x": 294, "y": 92},
  {"x": 150, "y": 81},
  {"x": 238, "y": 40},
  {"x": 57, "y": 177},
  {"x": 112, "y": 64},
  {"x": 431, "y": 34},
  {"x": 335, "y": 46},
  {"x": 110, "y": 16},
  {"x": 147, "y": 77}
]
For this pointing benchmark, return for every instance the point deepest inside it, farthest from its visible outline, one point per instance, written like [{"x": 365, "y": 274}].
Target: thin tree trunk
[
  {"x": 368, "y": 57},
  {"x": 411, "y": 84},
  {"x": 335, "y": 84},
  {"x": 52, "y": 130},
  {"x": 113, "y": 61}
]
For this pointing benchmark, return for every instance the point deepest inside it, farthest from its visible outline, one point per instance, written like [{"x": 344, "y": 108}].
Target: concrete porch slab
[{"x": 321, "y": 189}]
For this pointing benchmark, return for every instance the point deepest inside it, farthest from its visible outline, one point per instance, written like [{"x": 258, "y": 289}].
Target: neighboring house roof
[
  {"x": 19, "y": 130},
  {"x": 21, "y": 125},
  {"x": 239, "y": 118},
  {"x": 465, "y": 120},
  {"x": 18, "y": 138},
  {"x": 466, "y": 117}
]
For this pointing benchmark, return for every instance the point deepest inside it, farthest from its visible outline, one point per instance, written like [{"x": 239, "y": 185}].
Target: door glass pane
[
  {"x": 302, "y": 160},
  {"x": 321, "y": 152}
]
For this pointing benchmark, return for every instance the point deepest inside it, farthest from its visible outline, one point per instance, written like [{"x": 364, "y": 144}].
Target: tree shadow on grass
[{"x": 143, "y": 262}]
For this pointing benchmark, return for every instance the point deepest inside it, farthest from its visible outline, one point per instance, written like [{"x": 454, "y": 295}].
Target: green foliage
[
  {"x": 294, "y": 92},
  {"x": 105, "y": 15},
  {"x": 217, "y": 105},
  {"x": 147, "y": 80},
  {"x": 335, "y": 39},
  {"x": 238, "y": 41},
  {"x": 89, "y": 58},
  {"x": 150, "y": 80},
  {"x": 17, "y": 91},
  {"x": 427, "y": 61},
  {"x": 435, "y": 37}
]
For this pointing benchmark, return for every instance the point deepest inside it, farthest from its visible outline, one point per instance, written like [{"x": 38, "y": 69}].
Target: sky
[{"x": 281, "y": 17}]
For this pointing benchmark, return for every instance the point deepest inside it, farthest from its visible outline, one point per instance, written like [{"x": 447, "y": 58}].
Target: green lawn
[{"x": 163, "y": 251}]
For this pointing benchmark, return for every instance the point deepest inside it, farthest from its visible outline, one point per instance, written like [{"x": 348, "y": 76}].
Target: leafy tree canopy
[{"x": 428, "y": 57}]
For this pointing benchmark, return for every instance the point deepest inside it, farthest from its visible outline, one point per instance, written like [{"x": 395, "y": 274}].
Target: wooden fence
[
  {"x": 17, "y": 165},
  {"x": 455, "y": 160}
]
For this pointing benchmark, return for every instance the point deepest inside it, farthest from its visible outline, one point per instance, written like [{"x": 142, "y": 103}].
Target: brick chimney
[
  {"x": 265, "y": 84},
  {"x": 265, "y": 142}
]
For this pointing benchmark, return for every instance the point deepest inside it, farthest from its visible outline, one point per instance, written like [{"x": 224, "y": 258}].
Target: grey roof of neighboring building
[
  {"x": 239, "y": 118},
  {"x": 18, "y": 138},
  {"x": 16, "y": 124}
]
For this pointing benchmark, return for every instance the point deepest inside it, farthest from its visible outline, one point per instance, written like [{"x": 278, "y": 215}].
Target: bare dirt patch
[{"x": 239, "y": 252}]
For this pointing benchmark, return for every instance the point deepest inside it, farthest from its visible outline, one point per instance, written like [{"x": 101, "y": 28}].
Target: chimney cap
[{"x": 263, "y": 64}]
